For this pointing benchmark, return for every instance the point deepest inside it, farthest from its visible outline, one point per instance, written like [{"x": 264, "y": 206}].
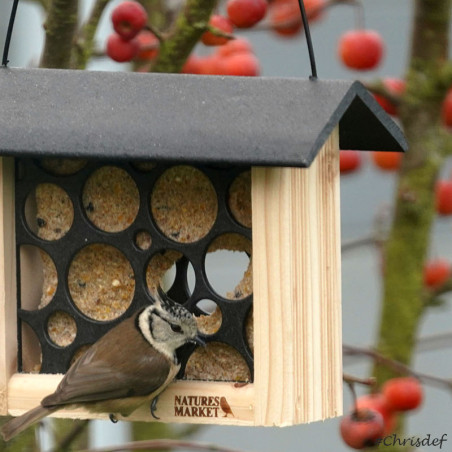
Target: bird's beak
[{"x": 197, "y": 340}]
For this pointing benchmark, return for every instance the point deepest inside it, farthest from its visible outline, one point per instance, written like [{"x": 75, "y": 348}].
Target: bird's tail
[{"x": 20, "y": 423}]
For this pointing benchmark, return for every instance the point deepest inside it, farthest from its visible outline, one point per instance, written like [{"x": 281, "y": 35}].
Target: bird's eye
[{"x": 176, "y": 328}]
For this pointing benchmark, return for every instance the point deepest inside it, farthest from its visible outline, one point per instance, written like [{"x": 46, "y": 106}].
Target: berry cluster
[
  {"x": 131, "y": 38},
  {"x": 236, "y": 57},
  {"x": 375, "y": 415}
]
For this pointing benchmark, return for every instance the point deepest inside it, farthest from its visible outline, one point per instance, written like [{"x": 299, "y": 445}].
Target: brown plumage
[{"x": 130, "y": 365}]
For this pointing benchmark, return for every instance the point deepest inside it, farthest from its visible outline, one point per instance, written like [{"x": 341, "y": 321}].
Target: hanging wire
[
  {"x": 308, "y": 40},
  {"x": 12, "y": 17},
  {"x": 5, "y": 60}
]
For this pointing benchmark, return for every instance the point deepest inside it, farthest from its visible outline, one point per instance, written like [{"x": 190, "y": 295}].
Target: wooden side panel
[
  {"x": 183, "y": 401},
  {"x": 297, "y": 291},
  {"x": 8, "y": 311}
]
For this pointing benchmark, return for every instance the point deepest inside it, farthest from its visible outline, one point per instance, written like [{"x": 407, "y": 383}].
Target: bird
[
  {"x": 127, "y": 367},
  {"x": 226, "y": 408}
]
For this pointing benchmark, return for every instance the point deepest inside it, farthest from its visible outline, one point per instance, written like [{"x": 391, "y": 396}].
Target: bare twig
[
  {"x": 379, "y": 88},
  {"x": 397, "y": 366},
  {"x": 164, "y": 444},
  {"x": 358, "y": 242},
  {"x": 84, "y": 42},
  {"x": 68, "y": 439},
  {"x": 351, "y": 379}
]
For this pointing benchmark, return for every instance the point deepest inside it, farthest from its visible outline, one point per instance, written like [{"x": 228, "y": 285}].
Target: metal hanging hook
[
  {"x": 307, "y": 32},
  {"x": 9, "y": 33}
]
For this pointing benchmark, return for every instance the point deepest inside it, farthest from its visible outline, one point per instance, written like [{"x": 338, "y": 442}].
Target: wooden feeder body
[{"x": 289, "y": 132}]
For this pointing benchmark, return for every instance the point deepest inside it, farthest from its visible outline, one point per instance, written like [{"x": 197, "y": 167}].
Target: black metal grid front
[{"x": 56, "y": 359}]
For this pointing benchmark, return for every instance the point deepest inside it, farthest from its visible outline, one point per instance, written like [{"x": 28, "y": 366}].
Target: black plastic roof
[{"x": 186, "y": 118}]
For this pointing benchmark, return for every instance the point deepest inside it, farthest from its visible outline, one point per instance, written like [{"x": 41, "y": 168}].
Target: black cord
[
  {"x": 308, "y": 40},
  {"x": 9, "y": 33}
]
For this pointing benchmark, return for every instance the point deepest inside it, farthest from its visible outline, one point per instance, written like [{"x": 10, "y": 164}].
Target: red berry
[
  {"x": 234, "y": 46},
  {"x": 437, "y": 272},
  {"x": 246, "y": 13},
  {"x": 361, "y": 49},
  {"x": 128, "y": 19},
  {"x": 285, "y": 18},
  {"x": 377, "y": 402},
  {"x": 242, "y": 64},
  {"x": 212, "y": 65},
  {"x": 447, "y": 109},
  {"x": 285, "y": 15},
  {"x": 362, "y": 428},
  {"x": 223, "y": 24},
  {"x": 443, "y": 197},
  {"x": 394, "y": 86},
  {"x": 120, "y": 50},
  {"x": 387, "y": 161},
  {"x": 403, "y": 394},
  {"x": 148, "y": 45},
  {"x": 349, "y": 161},
  {"x": 192, "y": 65}
]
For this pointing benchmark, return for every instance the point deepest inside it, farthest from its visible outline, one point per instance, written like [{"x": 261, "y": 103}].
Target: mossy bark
[
  {"x": 407, "y": 246},
  {"x": 60, "y": 28},
  {"x": 428, "y": 77},
  {"x": 187, "y": 30},
  {"x": 83, "y": 41}
]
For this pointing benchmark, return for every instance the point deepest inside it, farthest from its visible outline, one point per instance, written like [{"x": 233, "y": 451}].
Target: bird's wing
[
  {"x": 99, "y": 381},
  {"x": 103, "y": 376}
]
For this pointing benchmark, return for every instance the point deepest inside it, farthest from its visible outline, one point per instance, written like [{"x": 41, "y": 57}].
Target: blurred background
[{"x": 365, "y": 194}]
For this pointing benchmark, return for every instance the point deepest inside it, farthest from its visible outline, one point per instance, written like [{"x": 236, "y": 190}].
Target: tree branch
[
  {"x": 188, "y": 28},
  {"x": 84, "y": 41},
  {"x": 67, "y": 440},
  {"x": 397, "y": 366},
  {"x": 407, "y": 245},
  {"x": 44, "y": 3},
  {"x": 60, "y": 29}
]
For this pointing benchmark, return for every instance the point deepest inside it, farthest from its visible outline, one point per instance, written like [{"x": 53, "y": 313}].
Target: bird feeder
[{"x": 109, "y": 179}]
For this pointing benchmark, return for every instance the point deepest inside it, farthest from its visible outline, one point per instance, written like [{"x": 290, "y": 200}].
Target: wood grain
[
  {"x": 297, "y": 290},
  {"x": 183, "y": 401},
  {"x": 8, "y": 306}
]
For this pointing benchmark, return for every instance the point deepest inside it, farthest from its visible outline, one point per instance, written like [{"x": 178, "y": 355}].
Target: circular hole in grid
[
  {"x": 38, "y": 278},
  {"x": 184, "y": 204},
  {"x": 101, "y": 282},
  {"x": 217, "y": 361},
  {"x": 31, "y": 350},
  {"x": 49, "y": 212},
  {"x": 191, "y": 278},
  {"x": 228, "y": 266},
  {"x": 239, "y": 199},
  {"x": 63, "y": 166},
  {"x": 61, "y": 328},
  {"x": 111, "y": 199},
  {"x": 143, "y": 240},
  {"x": 161, "y": 270},
  {"x": 210, "y": 321}
]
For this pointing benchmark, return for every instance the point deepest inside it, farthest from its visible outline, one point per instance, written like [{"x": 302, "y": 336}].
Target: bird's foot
[
  {"x": 154, "y": 407},
  {"x": 113, "y": 418}
]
